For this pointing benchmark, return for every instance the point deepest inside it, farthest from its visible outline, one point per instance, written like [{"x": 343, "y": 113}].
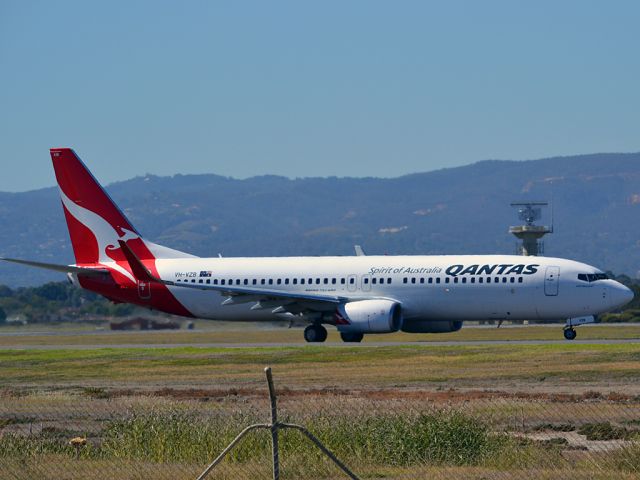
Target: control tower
[{"x": 529, "y": 233}]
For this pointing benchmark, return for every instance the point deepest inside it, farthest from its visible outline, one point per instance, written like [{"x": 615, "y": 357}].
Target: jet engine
[
  {"x": 432, "y": 326},
  {"x": 369, "y": 316}
]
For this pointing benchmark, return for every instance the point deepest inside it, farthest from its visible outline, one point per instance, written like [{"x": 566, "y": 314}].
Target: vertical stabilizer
[{"x": 95, "y": 222}]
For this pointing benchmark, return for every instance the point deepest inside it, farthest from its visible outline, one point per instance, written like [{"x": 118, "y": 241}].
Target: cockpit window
[{"x": 592, "y": 277}]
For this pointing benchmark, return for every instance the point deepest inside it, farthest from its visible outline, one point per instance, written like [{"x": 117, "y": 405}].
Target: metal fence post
[{"x": 274, "y": 425}]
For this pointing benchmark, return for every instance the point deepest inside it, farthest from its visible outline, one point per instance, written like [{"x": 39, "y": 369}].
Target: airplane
[{"x": 359, "y": 295}]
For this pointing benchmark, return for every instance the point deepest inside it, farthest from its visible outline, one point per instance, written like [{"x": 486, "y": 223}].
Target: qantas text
[
  {"x": 455, "y": 270},
  {"x": 501, "y": 269}
]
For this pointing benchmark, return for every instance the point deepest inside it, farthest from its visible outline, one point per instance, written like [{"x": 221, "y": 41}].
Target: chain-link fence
[{"x": 384, "y": 433}]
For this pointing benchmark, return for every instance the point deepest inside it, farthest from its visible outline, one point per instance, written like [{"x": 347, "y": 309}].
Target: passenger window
[
  {"x": 496, "y": 280},
  {"x": 421, "y": 279},
  {"x": 455, "y": 279},
  {"x": 352, "y": 281},
  {"x": 473, "y": 279},
  {"x": 519, "y": 279},
  {"x": 405, "y": 280},
  {"x": 389, "y": 281},
  {"x": 215, "y": 281},
  {"x": 513, "y": 280},
  {"x": 373, "y": 280},
  {"x": 446, "y": 280},
  {"x": 343, "y": 281},
  {"x": 263, "y": 281},
  {"x": 413, "y": 280},
  {"x": 279, "y": 281},
  {"x": 295, "y": 281},
  {"x": 437, "y": 279},
  {"x": 430, "y": 280},
  {"x": 504, "y": 279},
  {"x": 208, "y": 281},
  {"x": 286, "y": 281},
  {"x": 200, "y": 281},
  {"x": 271, "y": 281},
  {"x": 480, "y": 280},
  {"x": 317, "y": 281},
  {"x": 222, "y": 282},
  {"x": 333, "y": 281},
  {"x": 366, "y": 281},
  {"x": 326, "y": 281},
  {"x": 464, "y": 279},
  {"x": 193, "y": 280}
]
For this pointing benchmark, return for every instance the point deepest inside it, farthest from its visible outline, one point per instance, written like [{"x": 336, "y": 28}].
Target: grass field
[
  {"x": 398, "y": 411},
  {"x": 229, "y": 333},
  {"x": 572, "y": 367}
]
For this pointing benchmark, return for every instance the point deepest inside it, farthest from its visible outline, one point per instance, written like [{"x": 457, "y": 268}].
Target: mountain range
[{"x": 462, "y": 210}]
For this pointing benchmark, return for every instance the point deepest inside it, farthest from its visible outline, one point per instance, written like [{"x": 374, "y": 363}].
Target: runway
[{"x": 425, "y": 344}]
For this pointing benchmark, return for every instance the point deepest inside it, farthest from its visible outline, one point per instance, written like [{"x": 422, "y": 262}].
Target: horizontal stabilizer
[{"x": 88, "y": 271}]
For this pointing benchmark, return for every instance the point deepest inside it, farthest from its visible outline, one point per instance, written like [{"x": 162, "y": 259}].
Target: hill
[{"x": 456, "y": 210}]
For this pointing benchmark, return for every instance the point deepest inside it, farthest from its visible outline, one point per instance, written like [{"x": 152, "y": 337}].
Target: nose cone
[{"x": 620, "y": 295}]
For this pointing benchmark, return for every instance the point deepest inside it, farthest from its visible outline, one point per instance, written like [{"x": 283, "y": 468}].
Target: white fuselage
[{"x": 429, "y": 288}]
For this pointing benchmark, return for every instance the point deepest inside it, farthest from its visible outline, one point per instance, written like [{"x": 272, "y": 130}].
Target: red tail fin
[{"x": 95, "y": 222}]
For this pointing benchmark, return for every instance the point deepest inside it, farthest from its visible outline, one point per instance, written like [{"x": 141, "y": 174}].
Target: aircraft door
[
  {"x": 366, "y": 283},
  {"x": 352, "y": 283},
  {"x": 551, "y": 281}
]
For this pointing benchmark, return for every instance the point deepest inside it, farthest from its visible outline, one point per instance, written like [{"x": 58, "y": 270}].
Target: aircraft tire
[
  {"x": 351, "y": 337},
  {"x": 315, "y": 334},
  {"x": 570, "y": 333}
]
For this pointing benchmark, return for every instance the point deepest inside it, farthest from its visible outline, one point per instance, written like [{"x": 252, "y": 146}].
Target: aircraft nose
[{"x": 621, "y": 295}]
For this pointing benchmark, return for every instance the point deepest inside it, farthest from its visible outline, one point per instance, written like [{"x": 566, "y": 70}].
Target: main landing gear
[
  {"x": 351, "y": 337},
  {"x": 315, "y": 333}
]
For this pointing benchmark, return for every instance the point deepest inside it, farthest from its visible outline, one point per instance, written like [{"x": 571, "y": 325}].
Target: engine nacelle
[
  {"x": 432, "y": 326},
  {"x": 369, "y": 316}
]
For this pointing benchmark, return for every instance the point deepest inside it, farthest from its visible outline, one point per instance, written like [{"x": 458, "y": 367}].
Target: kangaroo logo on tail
[{"x": 106, "y": 235}]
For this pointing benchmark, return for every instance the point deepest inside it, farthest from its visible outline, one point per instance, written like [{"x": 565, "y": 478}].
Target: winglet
[
  {"x": 359, "y": 251},
  {"x": 137, "y": 267}
]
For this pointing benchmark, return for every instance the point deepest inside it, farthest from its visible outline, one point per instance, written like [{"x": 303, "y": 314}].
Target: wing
[{"x": 277, "y": 301}]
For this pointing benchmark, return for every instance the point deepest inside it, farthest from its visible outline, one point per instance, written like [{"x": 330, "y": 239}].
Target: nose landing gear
[{"x": 570, "y": 332}]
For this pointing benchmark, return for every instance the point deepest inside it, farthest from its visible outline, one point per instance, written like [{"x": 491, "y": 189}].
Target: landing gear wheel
[
  {"x": 351, "y": 337},
  {"x": 315, "y": 334},
  {"x": 570, "y": 333}
]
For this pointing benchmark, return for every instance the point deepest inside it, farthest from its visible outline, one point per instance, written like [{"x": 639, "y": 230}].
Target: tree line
[{"x": 56, "y": 302}]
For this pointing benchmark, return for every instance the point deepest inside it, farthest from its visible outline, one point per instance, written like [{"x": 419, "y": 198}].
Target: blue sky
[{"x": 347, "y": 88}]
